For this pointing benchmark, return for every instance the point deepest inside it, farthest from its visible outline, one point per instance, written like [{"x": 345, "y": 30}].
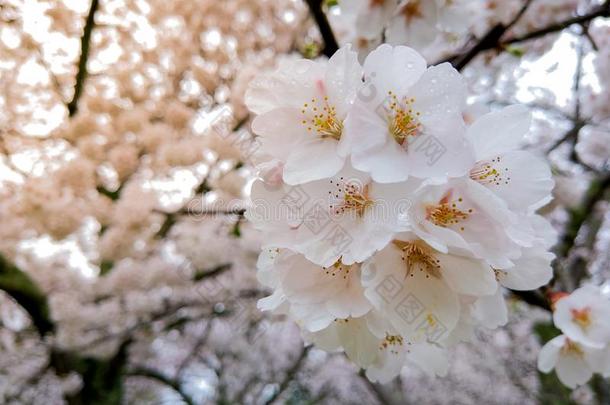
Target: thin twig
[
  {"x": 600, "y": 11},
  {"x": 493, "y": 38},
  {"x": 330, "y": 42},
  {"x": 290, "y": 374},
  {"x": 489, "y": 40},
  {"x": 85, "y": 42},
  {"x": 577, "y": 218}
]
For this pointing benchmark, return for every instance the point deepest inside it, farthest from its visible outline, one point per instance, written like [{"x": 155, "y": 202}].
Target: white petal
[
  {"x": 525, "y": 180},
  {"x": 302, "y": 168},
  {"x": 439, "y": 93},
  {"x": 467, "y": 276},
  {"x": 280, "y": 131},
  {"x": 441, "y": 152},
  {"x": 343, "y": 79},
  {"x": 289, "y": 86},
  {"x": 532, "y": 270},
  {"x": 572, "y": 370},
  {"x": 430, "y": 358},
  {"x": 499, "y": 131},
  {"x": 392, "y": 68},
  {"x": 549, "y": 354},
  {"x": 387, "y": 164},
  {"x": 491, "y": 310}
]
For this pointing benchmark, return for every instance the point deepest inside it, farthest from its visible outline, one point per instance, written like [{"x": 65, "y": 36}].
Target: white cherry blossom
[
  {"x": 407, "y": 119},
  {"x": 519, "y": 177},
  {"x": 414, "y": 23},
  {"x": 584, "y": 316},
  {"x": 574, "y": 362},
  {"x": 418, "y": 287},
  {"x": 464, "y": 215},
  {"x": 300, "y": 111},
  {"x": 345, "y": 217},
  {"x": 318, "y": 295}
]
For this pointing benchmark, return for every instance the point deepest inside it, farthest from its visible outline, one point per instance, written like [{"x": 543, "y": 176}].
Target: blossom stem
[
  {"x": 493, "y": 38},
  {"x": 330, "y": 42},
  {"x": 27, "y": 294},
  {"x": 84, "y": 57}
]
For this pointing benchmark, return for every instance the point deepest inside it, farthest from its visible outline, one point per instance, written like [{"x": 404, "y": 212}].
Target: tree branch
[
  {"x": 290, "y": 374},
  {"x": 330, "y": 43},
  {"x": 84, "y": 57},
  {"x": 602, "y": 10},
  {"x": 22, "y": 289},
  {"x": 493, "y": 38}
]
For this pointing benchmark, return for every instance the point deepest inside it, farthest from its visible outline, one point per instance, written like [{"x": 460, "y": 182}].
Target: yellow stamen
[
  {"x": 403, "y": 121},
  {"x": 353, "y": 197},
  {"x": 488, "y": 172},
  {"x": 418, "y": 253},
  {"x": 582, "y": 317},
  {"x": 446, "y": 213},
  {"x": 325, "y": 122},
  {"x": 338, "y": 268}
]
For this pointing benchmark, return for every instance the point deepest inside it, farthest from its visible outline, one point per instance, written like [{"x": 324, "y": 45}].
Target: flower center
[
  {"x": 416, "y": 253},
  {"x": 322, "y": 119},
  {"x": 582, "y": 317},
  {"x": 487, "y": 172},
  {"x": 337, "y": 268},
  {"x": 446, "y": 213},
  {"x": 350, "y": 197},
  {"x": 571, "y": 347},
  {"x": 412, "y": 10},
  {"x": 403, "y": 122},
  {"x": 391, "y": 341}
]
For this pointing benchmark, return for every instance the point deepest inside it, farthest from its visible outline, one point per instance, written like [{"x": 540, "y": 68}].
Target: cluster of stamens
[
  {"x": 486, "y": 172},
  {"x": 391, "y": 341},
  {"x": 350, "y": 197},
  {"x": 499, "y": 274},
  {"x": 446, "y": 213},
  {"x": 337, "y": 268},
  {"x": 403, "y": 121},
  {"x": 322, "y": 119},
  {"x": 582, "y": 317},
  {"x": 416, "y": 253},
  {"x": 571, "y": 347}
]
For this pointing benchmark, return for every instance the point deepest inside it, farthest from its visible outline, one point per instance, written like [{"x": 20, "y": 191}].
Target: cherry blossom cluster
[
  {"x": 390, "y": 225},
  {"x": 584, "y": 347},
  {"x": 417, "y": 23}
]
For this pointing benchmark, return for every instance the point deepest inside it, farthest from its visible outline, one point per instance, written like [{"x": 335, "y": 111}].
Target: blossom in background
[
  {"x": 415, "y": 23},
  {"x": 402, "y": 251},
  {"x": 584, "y": 347}
]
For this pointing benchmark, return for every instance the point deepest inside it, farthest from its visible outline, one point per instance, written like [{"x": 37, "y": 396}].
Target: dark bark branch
[
  {"x": 290, "y": 374},
  {"x": 330, "y": 42},
  {"x": 81, "y": 75},
  {"x": 489, "y": 40},
  {"x": 493, "y": 38},
  {"x": 600, "y": 11},
  {"x": 534, "y": 298},
  {"x": 22, "y": 289},
  {"x": 578, "y": 216}
]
